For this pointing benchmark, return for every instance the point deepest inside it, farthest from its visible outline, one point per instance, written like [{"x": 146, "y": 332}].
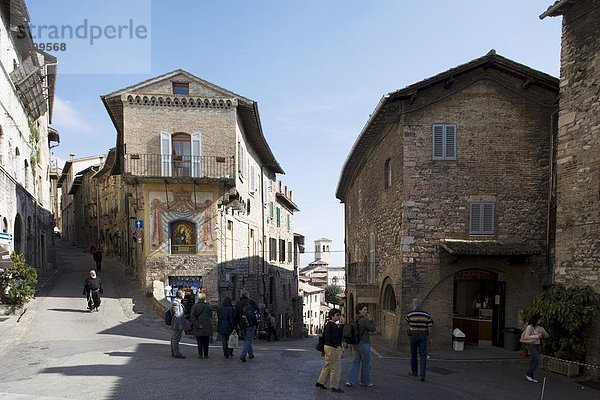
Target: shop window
[{"x": 183, "y": 237}]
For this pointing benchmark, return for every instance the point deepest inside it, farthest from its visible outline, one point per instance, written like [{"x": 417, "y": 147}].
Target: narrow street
[{"x": 122, "y": 352}]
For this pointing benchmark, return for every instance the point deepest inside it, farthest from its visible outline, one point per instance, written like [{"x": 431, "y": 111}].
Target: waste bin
[
  {"x": 511, "y": 338},
  {"x": 458, "y": 340}
]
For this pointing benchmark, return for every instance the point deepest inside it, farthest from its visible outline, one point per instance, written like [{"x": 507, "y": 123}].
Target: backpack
[
  {"x": 250, "y": 314},
  {"x": 350, "y": 333},
  {"x": 168, "y": 317}
]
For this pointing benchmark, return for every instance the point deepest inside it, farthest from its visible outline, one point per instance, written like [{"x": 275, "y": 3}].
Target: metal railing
[{"x": 160, "y": 165}]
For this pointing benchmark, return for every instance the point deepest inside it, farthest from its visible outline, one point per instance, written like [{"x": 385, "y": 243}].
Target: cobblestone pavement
[{"x": 58, "y": 350}]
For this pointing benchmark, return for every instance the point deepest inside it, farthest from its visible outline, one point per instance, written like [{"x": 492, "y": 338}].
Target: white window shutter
[
  {"x": 196, "y": 155},
  {"x": 252, "y": 179},
  {"x": 475, "y": 226},
  {"x": 165, "y": 153},
  {"x": 438, "y": 142},
  {"x": 450, "y": 145}
]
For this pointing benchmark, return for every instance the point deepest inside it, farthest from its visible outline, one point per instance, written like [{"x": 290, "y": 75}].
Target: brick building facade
[
  {"x": 189, "y": 197},
  {"x": 446, "y": 194},
  {"x": 578, "y": 158}
]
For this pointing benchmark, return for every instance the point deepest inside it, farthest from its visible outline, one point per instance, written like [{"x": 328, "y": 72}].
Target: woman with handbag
[
  {"x": 201, "y": 317},
  {"x": 226, "y": 326},
  {"x": 532, "y": 335}
]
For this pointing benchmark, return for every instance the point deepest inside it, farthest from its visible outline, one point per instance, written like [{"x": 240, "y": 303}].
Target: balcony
[{"x": 187, "y": 168}]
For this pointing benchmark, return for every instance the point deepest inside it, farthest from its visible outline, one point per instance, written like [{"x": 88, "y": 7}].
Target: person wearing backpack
[
  {"x": 362, "y": 350},
  {"x": 419, "y": 331},
  {"x": 332, "y": 352},
  {"x": 178, "y": 323},
  {"x": 201, "y": 317},
  {"x": 246, "y": 319}
]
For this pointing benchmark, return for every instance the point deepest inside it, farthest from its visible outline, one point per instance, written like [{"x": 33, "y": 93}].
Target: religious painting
[
  {"x": 183, "y": 238},
  {"x": 181, "y": 222}
]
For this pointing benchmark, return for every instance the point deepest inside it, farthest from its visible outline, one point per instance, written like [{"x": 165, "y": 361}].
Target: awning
[{"x": 492, "y": 248}]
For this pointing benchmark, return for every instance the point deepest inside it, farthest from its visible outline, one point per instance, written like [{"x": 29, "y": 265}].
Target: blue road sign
[{"x": 139, "y": 224}]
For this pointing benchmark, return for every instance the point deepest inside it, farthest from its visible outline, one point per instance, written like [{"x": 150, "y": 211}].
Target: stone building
[
  {"x": 72, "y": 228},
  {"x": 447, "y": 198},
  {"x": 578, "y": 160},
  {"x": 27, "y": 84},
  {"x": 189, "y": 197}
]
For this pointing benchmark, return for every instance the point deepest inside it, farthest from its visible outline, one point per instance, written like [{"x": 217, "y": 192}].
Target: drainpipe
[{"x": 551, "y": 197}]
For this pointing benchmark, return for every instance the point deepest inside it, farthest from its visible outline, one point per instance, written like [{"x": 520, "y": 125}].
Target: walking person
[
  {"x": 271, "y": 328},
  {"x": 226, "y": 325},
  {"x": 533, "y": 333},
  {"x": 201, "y": 317},
  {"x": 362, "y": 350},
  {"x": 419, "y": 331},
  {"x": 97, "y": 254},
  {"x": 333, "y": 352},
  {"x": 177, "y": 323},
  {"x": 246, "y": 319},
  {"x": 92, "y": 288}
]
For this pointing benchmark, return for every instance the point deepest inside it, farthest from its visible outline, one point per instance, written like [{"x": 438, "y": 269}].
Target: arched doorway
[{"x": 18, "y": 234}]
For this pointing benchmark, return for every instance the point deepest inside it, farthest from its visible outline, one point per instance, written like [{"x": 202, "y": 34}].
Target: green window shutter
[
  {"x": 289, "y": 222},
  {"x": 271, "y": 209},
  {"x": 278, "y": 217}
]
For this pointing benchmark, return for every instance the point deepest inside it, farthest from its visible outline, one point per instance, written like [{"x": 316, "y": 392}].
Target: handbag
[
  {"x": 320, "y": 344},
  {"x": 187, "y": 327},
  {"x": 232, "y": 342},
  {"x": 525, "y": 340}
]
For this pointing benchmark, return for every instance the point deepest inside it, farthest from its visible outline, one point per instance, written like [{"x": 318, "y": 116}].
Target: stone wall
[
  {"x": 578, "y": 160},
  {"x": 503, "y": 142}
]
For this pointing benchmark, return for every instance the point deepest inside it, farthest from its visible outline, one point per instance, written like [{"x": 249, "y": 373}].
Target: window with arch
[
  {"x": 389, "y": 298},
  {"x": 180, "y": 154},
  {"x": 388, "y": 173},
  {"x": 183, "y": 237}
]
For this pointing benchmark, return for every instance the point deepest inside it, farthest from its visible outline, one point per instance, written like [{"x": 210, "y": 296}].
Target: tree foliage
[
  {"x": 566, "y": 313},
  {"x": 18, "y": 281},
  {"x": 331, "y": 293}
]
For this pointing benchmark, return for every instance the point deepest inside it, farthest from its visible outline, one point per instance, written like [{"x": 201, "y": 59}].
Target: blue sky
[{"x": 316, "y": 68}]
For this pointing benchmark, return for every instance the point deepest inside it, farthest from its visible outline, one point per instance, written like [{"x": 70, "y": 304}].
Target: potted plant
[{"x": 567, "y": 312}]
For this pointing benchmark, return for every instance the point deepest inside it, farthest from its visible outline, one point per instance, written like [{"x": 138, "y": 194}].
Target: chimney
[
  {"x": 285, "y": 190},
  {"x": 71, "y": 156},
  {"x": 290, "y": 195},
  {"x": 280, "y": 185}
]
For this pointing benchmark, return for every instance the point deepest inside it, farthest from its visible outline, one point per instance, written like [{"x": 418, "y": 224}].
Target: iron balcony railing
[
  {"x": 160, "y": 165},
  {"x": 362, "y": 273}
]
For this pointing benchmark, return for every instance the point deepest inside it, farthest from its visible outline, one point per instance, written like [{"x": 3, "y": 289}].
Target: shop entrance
[
  {"x": 478, "y": 306},
  {"x": 190, "y": 285}
]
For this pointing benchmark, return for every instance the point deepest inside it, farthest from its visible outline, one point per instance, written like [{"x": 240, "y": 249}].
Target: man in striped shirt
[{"x": 419, "y": 331}]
